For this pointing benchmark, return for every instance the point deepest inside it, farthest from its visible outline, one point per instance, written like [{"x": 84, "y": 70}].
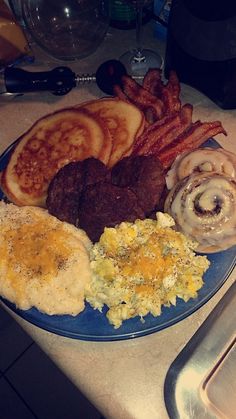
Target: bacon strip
[
  {"x": 171, "y": 103},
  {"x": 118, "y": 92},
  {"x": 163, "y": 132},
  {"x": 182, "y": 124},
  {"x": 171, "y": 130},
  {"x": 189, "y": 140},
  {"x": 142, "y": 98},
  {"x": 149, "y": 132},
  {"x": 168, "y": 94},
  {"x": 173, "y": 85},
  {"x": 152, "y": 81}
]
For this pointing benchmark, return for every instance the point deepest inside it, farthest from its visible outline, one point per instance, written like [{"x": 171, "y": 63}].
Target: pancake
[
  {"x": 44, "y": 262},
  {"x": 53, "y": 141},
  {"x": 124, "y": 121}
]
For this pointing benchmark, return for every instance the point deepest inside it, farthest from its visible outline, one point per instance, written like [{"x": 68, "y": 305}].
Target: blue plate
[{"x": 92, "y": 325}]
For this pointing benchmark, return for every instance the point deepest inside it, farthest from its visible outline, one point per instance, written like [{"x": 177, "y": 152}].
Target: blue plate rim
[{"x": 28, "y": 316}]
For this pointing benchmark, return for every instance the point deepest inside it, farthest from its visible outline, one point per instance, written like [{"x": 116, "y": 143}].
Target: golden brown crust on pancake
[
  {"x": 53, "y": 141},
  {"x": 124, "y": 121}
]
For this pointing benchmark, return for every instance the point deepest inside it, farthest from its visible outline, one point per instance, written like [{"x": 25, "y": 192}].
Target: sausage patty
[
  {"x": 106, "y": 205},
  {"x": 65, "y": 189},
  {"x": 90, "y": 196},
  {"x": 144, "y": 175}
]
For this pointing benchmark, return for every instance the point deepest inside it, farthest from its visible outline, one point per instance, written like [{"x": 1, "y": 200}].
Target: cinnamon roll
[
  {"x": 203, "y": 206},
  {"x": 202, "y": 160}
]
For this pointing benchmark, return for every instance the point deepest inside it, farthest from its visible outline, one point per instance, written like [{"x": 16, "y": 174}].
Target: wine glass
[
  {"x": 139, "y": 60},
  {"x": 66, "y": 29}
]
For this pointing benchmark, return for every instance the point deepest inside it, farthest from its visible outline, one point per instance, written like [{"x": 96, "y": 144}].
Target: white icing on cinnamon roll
[
  {"x": 204, "y": 208},
  {"x": 202, "y": 160}
]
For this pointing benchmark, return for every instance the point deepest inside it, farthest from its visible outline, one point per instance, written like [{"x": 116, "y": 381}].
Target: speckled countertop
[{"x": 123, "y": 379}]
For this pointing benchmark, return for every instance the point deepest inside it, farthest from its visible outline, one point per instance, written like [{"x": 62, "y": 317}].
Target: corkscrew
[{"x": 60, "y": 80}]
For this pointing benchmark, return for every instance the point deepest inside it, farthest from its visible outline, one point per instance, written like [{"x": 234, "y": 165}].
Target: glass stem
[{"x": 139, "y": 18}]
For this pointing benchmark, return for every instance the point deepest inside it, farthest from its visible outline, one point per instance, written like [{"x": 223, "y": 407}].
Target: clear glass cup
[
  {"x": 139, "y": 60},
  {"x": 66, "y": 29}
]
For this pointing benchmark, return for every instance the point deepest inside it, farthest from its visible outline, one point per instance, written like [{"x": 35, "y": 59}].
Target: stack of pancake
[{"x": 104, "y": 129}]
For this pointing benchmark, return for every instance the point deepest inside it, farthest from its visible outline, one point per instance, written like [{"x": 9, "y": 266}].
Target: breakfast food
[
  {"x": 192, "y": 138},
  {"x": 124, "y": 121},
  {"x": 53, "y": 141},
  {"x": 155, "y": 98},
  {"x": 204, "y": 208},
  {"x": 106, "y": 205},
  {"x": 171, "y": 130},
  {"x": 151, "y": 105},
  {"x": 201, "y": 160},
  {"x": 100, "y": 166},
  {"x": 169, "y": 93},
  {"x": 44, "y": 262},
  {"x": 163, "y": 132},
  {"x": 144, "y": 175},
  {"x": 66, "y": 187},
  {"x": 91, "y": 196},
  {"x": 139, "y": 267}
]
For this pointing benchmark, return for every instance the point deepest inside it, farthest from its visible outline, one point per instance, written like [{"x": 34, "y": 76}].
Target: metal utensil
[{"x": 201, "y": 381}]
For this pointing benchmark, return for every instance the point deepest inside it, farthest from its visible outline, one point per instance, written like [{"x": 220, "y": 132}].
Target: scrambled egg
[{"x": 138, "y": 267}]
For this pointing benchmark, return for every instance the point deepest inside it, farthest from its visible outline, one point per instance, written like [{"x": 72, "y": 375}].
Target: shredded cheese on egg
[{"x": 139, "y": 267}]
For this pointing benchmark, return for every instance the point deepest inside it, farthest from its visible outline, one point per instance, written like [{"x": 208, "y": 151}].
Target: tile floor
[{"x": 27, "y": 377}]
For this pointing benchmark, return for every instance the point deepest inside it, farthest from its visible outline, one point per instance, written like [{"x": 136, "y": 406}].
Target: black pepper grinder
[{"x": 60, "y": 80}]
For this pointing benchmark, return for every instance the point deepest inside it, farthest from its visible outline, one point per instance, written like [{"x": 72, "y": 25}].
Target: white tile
[
  {"x": 46, "y": 390},
  {"x": 11, "y": 406},
  {"x": 13, "y": 340}
]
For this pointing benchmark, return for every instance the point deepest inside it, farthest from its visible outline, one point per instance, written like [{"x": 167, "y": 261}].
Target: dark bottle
[
  {"x": 123, "y": 16},
  {"x": 201, "y": 47}
]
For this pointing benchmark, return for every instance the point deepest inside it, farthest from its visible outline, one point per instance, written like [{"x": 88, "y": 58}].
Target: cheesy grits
[
  {"x": 44, "y": 263},
  {"x": 139, "y": 267}
]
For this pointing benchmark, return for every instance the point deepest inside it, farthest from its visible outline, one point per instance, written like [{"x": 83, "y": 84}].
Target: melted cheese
[
  {"x": 138, "y": 267},
  {"x": 31, "y": 251},
  {"x": 44, "y": 262}
]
